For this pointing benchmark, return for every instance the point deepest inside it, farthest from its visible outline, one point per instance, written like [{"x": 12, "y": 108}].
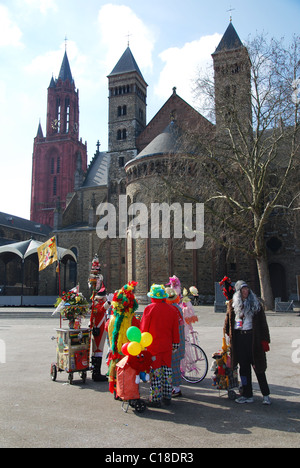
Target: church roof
[
  {"x": 166, "y": 142},
  {"x": 230, "y": 40},
  {"x": 97, "y": 174},
  {"x": 40, "y": 131},
  {"x": 22, "y": 224},
  {"x": 126, "y": 64},
  {"x": 65, "y": 70}
]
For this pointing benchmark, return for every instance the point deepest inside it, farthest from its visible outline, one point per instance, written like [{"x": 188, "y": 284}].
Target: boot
[{"x": 96, "y": 375}]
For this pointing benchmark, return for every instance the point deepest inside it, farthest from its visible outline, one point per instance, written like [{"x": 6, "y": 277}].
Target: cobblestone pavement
[{"x": 36, "y": 412}]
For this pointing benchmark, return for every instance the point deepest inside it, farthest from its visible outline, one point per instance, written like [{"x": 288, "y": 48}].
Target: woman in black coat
[{"x": 248, "y": 331}]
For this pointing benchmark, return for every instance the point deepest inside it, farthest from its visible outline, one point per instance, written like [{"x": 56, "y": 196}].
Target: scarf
[{"x": 247, "y": 308}]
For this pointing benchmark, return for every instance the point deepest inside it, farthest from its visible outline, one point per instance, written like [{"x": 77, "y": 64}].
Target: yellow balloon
[
  {"x": 146, "y": 339},
  {"x": 134, "y": 348}
]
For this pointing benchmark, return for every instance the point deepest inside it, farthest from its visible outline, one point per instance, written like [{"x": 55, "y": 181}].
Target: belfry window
[
  {"x": 122, "y": 110},
  {"x": 58, "y": 109},
  {"x": 122, "y": 134},
  {"x": 67, "y": 110},
  {"x": 54, "y": 185}
]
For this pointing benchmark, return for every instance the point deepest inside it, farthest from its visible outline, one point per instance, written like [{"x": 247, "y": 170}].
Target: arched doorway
[{"x": 278, "y": 280}]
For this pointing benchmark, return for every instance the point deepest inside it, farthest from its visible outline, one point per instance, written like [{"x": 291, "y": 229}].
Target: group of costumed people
[
  {"x": 167, "y": 319},
  {"x": 163, "y": 319}
]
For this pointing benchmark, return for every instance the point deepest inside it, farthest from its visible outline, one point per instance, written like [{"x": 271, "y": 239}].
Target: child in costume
[
  {"x": 161, "y": 320},
  {"x": 174, "y": 300},
  {"x": 97, "y": 323},
  {"x": 124, "y": 305}
]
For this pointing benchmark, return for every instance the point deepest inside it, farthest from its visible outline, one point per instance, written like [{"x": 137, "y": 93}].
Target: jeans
[{"x": 245, "y": 360}]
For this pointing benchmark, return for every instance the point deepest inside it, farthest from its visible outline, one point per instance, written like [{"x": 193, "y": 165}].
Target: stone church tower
[
  {"x": 127, "y": 119},
  {"x": 60, "y": 158},
  {"x": 138, "y": 152},
  {"x": 232, "y": 75}
]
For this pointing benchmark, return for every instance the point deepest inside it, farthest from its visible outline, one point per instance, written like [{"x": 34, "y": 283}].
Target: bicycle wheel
[{"x": 196, "y": 367}]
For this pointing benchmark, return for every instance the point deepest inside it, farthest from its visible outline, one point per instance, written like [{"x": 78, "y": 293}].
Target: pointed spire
[
  {"x": 230, "y": 40},
  {"x": 126, "y": 64},
  {"x": 65, "y": 70},
  {"x": 52, "y": 83},
  {"x": 40, "y": 131}
]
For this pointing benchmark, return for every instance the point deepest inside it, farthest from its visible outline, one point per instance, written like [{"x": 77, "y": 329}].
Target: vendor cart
[{"x": 72, "y": 353}]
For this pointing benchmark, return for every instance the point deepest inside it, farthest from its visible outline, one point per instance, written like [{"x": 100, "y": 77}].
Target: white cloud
[
  {"x": 2, "y": 91},
  {"x": 50, "y": 62},
  {"x": 182, "y": 65},
  {"x": 116, "y": 22},
  {"x": 10, "y": 33},
  {"x": 42, "y": 5}
]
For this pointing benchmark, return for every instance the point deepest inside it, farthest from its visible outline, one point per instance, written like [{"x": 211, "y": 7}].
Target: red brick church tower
[{"x": 59, "y": 159}]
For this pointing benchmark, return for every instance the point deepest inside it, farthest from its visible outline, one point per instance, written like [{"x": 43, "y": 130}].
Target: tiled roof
[
  {"x": 230, "y": 40},
  {"x": 126, "y": 64},
  {"x": 65, "y": 70},
  {"x": 22, "y": 224},
  {"x": 97, "y": 174},
  {"x": 165, "y": 143}
]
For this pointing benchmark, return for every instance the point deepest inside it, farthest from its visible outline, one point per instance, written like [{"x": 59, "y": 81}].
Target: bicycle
[{"x": 194, "y": 366}]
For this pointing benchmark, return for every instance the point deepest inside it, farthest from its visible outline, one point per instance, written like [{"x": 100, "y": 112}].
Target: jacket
[
  {"x": 260, "y": 333},
  {"x": 161, "y": 320}
]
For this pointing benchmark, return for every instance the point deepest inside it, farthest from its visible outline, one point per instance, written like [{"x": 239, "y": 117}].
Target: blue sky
[{"x": 170, "y": 40}]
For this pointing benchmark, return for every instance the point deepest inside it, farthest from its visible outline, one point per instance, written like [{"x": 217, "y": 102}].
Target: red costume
[
  {"x": 97, "y": 323},
  {"x": 161, "y": 320}
]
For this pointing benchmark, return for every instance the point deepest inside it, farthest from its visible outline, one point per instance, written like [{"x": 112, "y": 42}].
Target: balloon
[
  {"x": 134, "y": 334},
  {"x": 134, "y": 348},
  {"x": 146, "y": 339},
  {"x": 124, "y": 349}
]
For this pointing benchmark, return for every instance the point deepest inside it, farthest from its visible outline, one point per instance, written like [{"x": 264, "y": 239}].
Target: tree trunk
[{"x": 265, "y": 282}]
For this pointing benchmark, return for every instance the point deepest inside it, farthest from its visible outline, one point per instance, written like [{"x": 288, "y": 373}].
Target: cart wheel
[
  {"x": 70, "y": 378},
  {"x": 140, "y": 406},
  {"x": 232, "y": 395},
  {"x": 53, "y": 372},
  {"x": 83, "y": 376}
]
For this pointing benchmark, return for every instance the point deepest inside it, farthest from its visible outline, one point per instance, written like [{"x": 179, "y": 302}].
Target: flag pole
[{"x": 59, "y": 285}]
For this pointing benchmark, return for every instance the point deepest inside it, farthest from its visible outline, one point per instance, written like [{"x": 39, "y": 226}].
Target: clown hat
[
  {"x": 124, "y": 300},
  {"x": 157, "y": 291},
  {"x": 172, "y": 294}
]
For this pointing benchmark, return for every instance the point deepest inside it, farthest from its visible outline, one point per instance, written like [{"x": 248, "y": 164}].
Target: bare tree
[{"x": 247, "y": 170}]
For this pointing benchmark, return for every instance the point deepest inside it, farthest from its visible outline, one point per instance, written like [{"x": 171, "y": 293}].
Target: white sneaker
[
  {"x": 242, "y": 400},
  {"x": 266, "y": 400}
]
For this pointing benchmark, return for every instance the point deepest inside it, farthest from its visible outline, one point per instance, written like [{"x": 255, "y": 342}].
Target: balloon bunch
[{"x": 137, "y": 341}]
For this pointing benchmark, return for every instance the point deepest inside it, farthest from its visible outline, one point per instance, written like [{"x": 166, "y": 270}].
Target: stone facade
[{"x": 137, "y": 154}]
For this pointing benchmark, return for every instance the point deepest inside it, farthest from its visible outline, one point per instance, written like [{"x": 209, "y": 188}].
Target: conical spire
[
  {"x": 65, "y": 70},
  {"x": 52, "y": 83},
  {"x": 126, "y": 64},
  {"x": 40, "y": 131},
  {"x": 230, "y": 40}
]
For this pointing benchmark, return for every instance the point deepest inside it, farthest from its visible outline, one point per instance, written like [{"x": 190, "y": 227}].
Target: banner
[{"x": 47, "y": 253}]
